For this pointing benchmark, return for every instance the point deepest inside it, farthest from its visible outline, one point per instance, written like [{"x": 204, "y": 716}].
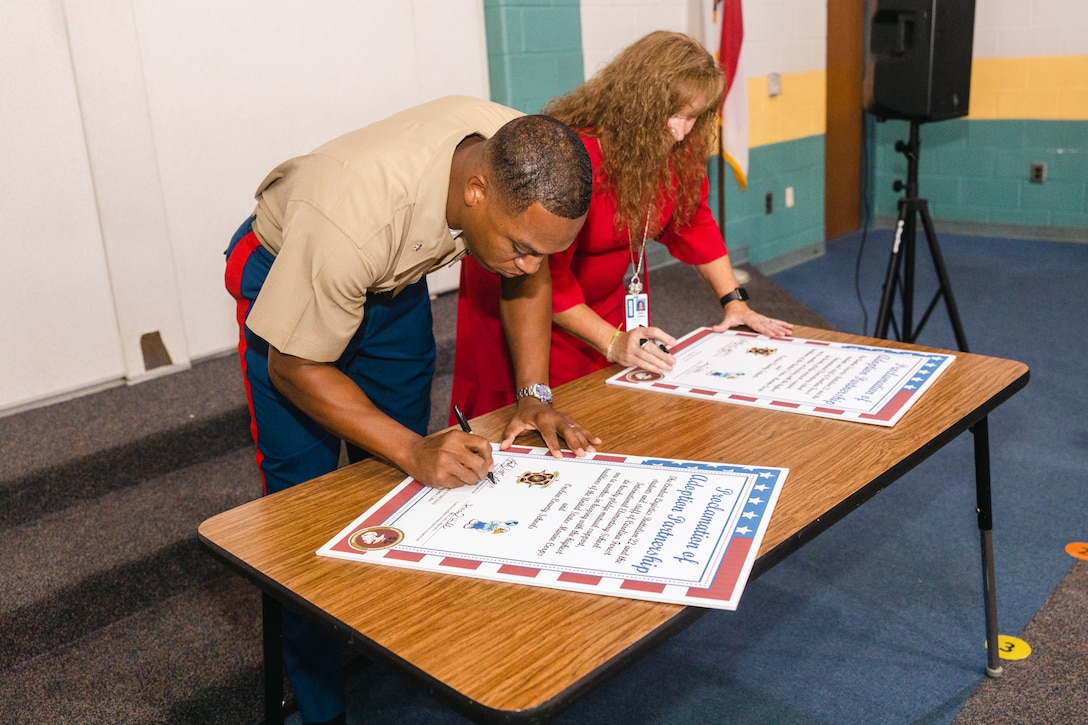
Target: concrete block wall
[
  {"x": 786, "y": 37},
  {"x": 1028, "y": 105},
  {"x": 534, "y": 50}
]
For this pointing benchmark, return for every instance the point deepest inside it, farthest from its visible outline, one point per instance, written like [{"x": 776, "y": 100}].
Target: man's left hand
[{"x": 534, "y": 414}]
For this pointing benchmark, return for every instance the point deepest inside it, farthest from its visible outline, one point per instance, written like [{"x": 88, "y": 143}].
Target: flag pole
[
  {"x": 721, "y": 135},
  {"x": 721, "y": 178}
]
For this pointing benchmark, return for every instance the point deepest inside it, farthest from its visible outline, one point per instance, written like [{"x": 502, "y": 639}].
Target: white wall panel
[
  {"x": 1030, "y": 28},
  {"x": 250, "y": 83},
  {"x": 135, "y": 132},
  {"x": 781, "y": 36},
  {"x": 608, "y": 26},
  {"x": 124, "y": 169},
  {"x": 56, "y": 311}
]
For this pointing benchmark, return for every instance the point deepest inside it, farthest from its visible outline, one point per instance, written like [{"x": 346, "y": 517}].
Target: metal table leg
[
  {"x": 273, "y": 660},
  {"x": 985, "y": 529}
]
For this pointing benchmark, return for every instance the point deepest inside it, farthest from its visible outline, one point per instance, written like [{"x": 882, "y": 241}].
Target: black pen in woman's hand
[
  {"x": 465, "y": 427},
  {"x": 643, "y": 340}
]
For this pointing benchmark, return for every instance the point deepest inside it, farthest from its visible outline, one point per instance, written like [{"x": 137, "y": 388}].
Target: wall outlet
[
  {"x": 789, "y": 197},
  {"x": 768, "y": 203},
  {"x": 1037, "y": 174},
  {"x": 774, "y": 84}
]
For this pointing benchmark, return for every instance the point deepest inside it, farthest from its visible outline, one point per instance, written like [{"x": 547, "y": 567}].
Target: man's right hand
[
  {"x": 450, "y": 459},
  {"x": 331, "y": 398}
]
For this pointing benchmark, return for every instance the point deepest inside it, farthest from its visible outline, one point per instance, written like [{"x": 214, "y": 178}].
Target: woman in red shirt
[{"x": 648, "y": 120}]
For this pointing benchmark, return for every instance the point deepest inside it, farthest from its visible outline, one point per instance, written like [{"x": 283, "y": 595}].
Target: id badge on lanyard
[
  {"x": 636, "y": 302},
  {"x": 637, "y": 310}
]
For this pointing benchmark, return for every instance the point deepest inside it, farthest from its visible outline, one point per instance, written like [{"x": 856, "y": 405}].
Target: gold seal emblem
[{"x": 542, "y": 479}]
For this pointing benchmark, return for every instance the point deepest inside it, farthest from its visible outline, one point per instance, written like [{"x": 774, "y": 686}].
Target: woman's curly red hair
[{"x": 627, "y": 106}]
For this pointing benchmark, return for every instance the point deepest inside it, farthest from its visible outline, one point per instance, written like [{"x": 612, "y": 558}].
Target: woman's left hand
[{"x": 739, "y": 313}]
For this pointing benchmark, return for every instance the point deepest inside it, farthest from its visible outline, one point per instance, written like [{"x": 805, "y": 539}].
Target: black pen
[
  {"x": 465, "y": 427},
  {"x": 643, "y": 340}
]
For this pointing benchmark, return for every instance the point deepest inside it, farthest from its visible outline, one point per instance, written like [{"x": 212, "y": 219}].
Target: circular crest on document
[
  {"x": 375, "y": 538},
  {"x": 642, "y": 376}
]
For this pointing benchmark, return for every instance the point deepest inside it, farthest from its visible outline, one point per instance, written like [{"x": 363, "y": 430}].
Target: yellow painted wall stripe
[
  {"x": 1046, "y": 89},
  {"x": 799, "y": 110}
]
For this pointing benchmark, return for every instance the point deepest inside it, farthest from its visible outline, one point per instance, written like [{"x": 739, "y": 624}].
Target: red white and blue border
[
  {"x": 866, "y": 384},
  {"x": 684, "y": 532}
]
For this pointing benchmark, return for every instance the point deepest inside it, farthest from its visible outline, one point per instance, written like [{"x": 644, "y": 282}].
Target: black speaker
[{"x": 918, "y": 59}]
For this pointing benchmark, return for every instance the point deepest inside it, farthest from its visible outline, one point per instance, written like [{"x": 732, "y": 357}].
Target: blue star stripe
[{"x": 755, "y": 505}]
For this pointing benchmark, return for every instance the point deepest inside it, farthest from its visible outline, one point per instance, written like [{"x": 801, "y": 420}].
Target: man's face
[{"x": 516, "y": 245}]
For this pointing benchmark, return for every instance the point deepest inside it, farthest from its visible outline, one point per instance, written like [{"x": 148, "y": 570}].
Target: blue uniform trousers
[{"x": 391, "y": 357}]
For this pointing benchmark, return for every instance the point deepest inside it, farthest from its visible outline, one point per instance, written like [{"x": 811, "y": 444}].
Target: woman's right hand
[{"x": 644, "y": 347}]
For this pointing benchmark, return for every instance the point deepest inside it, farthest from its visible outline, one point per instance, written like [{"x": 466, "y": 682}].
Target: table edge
[{"x": 683, "y": 617}]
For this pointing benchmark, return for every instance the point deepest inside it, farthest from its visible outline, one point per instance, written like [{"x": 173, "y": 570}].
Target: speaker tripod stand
[{"x": 912, "y": 208}]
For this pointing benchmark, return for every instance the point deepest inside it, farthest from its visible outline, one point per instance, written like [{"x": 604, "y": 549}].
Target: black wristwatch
[
  {"x": 537, "y": 390},
  {"x": 738, "y": 294}
]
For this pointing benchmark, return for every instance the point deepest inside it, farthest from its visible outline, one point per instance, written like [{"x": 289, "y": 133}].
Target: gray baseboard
[
  {"x": 794, "y": 258},
  {"x": 1004, "y": 231}
]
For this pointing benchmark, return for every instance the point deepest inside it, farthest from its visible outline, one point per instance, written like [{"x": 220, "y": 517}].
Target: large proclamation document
[
  {"x": 866, "y": 384},
  {"x": 684, "y": 532}
]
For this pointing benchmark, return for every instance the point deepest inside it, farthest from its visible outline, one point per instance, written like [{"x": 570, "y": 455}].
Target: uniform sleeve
[
  {"x": 311, "y": 304},
  {"x": 699, "y": 241}
]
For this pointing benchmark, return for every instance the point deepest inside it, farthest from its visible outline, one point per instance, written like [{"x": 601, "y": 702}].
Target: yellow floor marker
[
  {"x": 1079, "y": 549},
  {"x": 1012, "y": 648}
]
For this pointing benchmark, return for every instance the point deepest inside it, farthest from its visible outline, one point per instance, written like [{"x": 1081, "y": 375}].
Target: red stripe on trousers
[{"x": 236, "y": 265}]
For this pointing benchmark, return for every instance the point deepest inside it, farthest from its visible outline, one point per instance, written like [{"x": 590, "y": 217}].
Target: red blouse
[{"x": 591, "y": 271}]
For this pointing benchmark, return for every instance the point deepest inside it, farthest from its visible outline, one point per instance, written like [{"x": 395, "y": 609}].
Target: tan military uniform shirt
[{"x": 362, "y": 214}]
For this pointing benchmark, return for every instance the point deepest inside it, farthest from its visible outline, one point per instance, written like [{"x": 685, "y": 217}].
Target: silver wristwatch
[{"x": 537, "y": 390}]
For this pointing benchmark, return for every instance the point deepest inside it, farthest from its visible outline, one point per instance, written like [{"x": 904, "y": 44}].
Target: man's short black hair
[{"x": 536, "y": 158}]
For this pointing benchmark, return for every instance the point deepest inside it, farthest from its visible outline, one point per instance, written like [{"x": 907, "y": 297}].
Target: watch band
[
  {"x": 536, "y": 390},
  {"x": 738, "y": 294}
]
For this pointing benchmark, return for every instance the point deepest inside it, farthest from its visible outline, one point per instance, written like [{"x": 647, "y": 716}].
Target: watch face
[
  {"x": 543, "y": 392},
  {"x": 537, "y": 390}
]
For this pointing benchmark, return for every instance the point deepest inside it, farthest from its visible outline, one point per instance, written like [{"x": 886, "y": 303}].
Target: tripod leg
[
  {"x": 942, "y": 276},
  {"x": 891, "y": 277}
]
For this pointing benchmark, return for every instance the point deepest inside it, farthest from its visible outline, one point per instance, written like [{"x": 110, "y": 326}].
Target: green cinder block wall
[
  {"x": 534, "y": 50},
  {"x": 970, "y": 170},
  {"x": 787, "y": 235},
  {"x": 979, "y": 171}
]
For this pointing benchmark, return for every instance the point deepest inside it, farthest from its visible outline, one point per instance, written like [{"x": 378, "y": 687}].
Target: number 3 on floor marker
[{"x": 1012, "y": 648}]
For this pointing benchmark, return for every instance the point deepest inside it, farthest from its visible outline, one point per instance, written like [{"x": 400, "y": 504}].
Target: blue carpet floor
[{"x": 880, "y": 619}]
